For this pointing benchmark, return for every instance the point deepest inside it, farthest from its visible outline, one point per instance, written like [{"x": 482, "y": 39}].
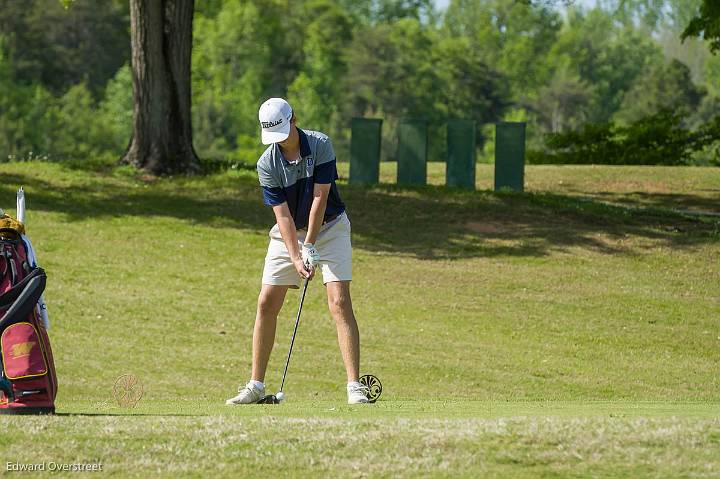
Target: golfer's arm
[
  {"x": 317, "y": 211},
  {"x": 287, "y": 229}
]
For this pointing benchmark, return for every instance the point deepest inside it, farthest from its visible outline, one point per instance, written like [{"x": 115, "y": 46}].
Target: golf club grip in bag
[{"x": 28, "y": 384}]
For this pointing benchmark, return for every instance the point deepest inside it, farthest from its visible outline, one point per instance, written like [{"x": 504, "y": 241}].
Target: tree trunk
[{"x": 161, "y": 40}]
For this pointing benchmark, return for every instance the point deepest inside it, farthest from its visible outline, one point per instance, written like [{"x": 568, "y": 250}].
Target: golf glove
[{"x": 310, "y": 255}]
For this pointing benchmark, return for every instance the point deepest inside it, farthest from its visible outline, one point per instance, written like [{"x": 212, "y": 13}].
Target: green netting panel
[
  {"x": 412, "y": 152},
  {"x": 509, "y": 156},
  {"x": 460, "y": 167},
  {"x": 365, "y": 150}
]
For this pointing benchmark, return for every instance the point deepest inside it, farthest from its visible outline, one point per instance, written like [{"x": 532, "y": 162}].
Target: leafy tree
[
  {"x": 59, "y": 47},
  {"x": 25, "y": 122},
  {"x": 509, "y": 36},
  {"x": 61, "y": 66},
  {"x": 705, "y": 112},
  {"x": 208, "y": 8},
  {"x": 391, "y": 75},
  {"x": 409, "y": 70},
  {"x": 392, "y": 10},
  {"x": 666, "y": 86},
  {"x": 692, "y": 52},
  {"x": 472, "y": 89},
  {"x": 562, "y": 104},
  {"x": 646, "y": 12},
  {"x": 239, "y": 61},
  {"x": 372, "y": 12},
  {"x": 116, "y": 110},
  {"x": 316, "y": 92},
  {"x": 678, "y": 14},
  {"x": 607, "y": 56},
  {"x": 230, "y": 61},
  {"x": 390, "y": 71},
  {"x": 706, "y": 24},
  {"x": 83, "y": 136},
  {"x": 708, "y": 125},
  {"x": 712, "y": 74}
]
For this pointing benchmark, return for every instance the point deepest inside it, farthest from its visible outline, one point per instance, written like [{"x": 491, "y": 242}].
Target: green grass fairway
[
  {"x": 391, "y": 439},
  {"x": 571, "y": 331}
]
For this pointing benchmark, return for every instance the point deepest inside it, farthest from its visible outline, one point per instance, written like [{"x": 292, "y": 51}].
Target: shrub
[{"x": 659, "y": 139}]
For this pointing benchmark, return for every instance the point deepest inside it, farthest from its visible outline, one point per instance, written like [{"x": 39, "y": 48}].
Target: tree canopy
[
  {"x": 706, "y": 24},
  {"x": 67, "y": 89}
]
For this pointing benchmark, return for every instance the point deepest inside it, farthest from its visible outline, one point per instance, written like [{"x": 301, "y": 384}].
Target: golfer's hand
[
  {"x": 310, "y": 255},
  {"x": 305, "y": 272}
]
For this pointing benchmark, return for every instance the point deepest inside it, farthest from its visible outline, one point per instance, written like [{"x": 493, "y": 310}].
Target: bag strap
[{"x": 23, "y": 297}]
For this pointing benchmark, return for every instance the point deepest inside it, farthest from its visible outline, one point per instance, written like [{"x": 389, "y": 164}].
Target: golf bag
[{"x": 28, "y": 384}]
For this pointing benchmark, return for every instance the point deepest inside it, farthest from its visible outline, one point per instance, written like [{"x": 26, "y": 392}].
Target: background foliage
[{"x": 577, "y": 75}]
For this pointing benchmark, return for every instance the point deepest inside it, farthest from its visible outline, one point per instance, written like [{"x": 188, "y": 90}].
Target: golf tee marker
[{"x": 374, "y": 385}]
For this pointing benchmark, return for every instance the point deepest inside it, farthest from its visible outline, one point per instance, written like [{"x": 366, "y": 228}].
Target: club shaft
[{"x": 292, "y": 341}]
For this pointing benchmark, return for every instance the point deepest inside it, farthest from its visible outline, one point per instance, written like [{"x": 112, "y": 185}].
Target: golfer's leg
[
  {"x": 340, "y": 304},
  {"x": 270, "y": 302}
]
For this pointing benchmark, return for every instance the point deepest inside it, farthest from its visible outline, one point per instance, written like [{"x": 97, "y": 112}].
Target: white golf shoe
[
  {"x": 357, "y": 393},
  {"x": 248, "y": 394}
]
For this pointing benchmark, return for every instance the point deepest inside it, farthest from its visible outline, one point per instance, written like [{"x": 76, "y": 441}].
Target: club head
[{"x": 269, "y": 399}]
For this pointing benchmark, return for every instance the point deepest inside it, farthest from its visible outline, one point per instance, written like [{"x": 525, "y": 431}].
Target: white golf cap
[{"x": 275, "y": 115}]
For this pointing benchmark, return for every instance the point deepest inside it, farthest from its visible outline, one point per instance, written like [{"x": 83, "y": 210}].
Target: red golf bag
[{"x": 28, "y": 384}]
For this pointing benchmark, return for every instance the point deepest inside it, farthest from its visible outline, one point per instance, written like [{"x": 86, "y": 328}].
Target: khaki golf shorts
[{"x": 333, "y": 245}]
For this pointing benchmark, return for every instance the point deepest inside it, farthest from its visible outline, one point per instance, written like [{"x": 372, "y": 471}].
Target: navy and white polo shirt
[{"x": 293, "y": 183}]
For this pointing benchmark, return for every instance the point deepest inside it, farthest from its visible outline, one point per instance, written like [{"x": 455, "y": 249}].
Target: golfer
[{"x": 297, "y": 174}]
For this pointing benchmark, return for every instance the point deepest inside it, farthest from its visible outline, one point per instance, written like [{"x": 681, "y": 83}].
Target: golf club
[{"x": 278, "y": 398}]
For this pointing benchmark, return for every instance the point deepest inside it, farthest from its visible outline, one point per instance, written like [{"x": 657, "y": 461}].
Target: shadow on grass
[
  {"x": 427, "y": 222},
  {"x": 242, "y": 208},
  {"x": 433, "y": 222},
  {"x": 674, "y": 201}
]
